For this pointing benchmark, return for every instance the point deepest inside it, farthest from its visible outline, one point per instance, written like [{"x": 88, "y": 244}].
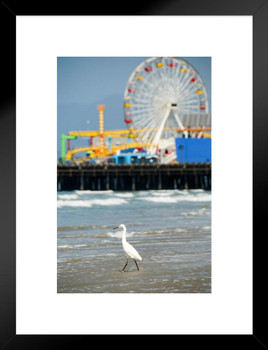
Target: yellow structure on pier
[
  {"x": 106, "y": 151},
  {"x": 101, "y": 109},
  {"x": 103, "y": 150},
  {"x": 95, "y": 151}
]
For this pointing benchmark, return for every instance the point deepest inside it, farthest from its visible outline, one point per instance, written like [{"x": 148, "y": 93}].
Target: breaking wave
[
  {"x": 90, "y": 203},
  {"x": 175, "y": 199},
  {"x": 87, "y": 199}
]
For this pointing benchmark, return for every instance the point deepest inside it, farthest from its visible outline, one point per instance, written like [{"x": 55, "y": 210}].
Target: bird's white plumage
[
  {"x": 131, "y": 251},
  {"x": 128, "y": 248}
]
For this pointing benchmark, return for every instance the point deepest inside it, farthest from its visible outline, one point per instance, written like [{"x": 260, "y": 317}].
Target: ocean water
[{"x": 171, "y": 230}]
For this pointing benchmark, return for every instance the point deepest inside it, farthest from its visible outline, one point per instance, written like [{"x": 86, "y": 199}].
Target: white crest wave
[{"x": 90, "y": 203}]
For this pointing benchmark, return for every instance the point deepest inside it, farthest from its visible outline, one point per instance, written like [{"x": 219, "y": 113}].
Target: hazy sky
[{"x": 85, "y": 82}]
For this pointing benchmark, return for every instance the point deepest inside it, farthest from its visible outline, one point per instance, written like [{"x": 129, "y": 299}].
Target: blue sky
[{"x": 85, "y": 82}]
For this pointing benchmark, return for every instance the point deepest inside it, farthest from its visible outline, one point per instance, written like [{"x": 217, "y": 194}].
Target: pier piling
[{"x": 128, "y": 177}]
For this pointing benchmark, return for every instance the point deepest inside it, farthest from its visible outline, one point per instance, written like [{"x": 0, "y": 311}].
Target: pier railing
[{"x": 128, "y": 177}]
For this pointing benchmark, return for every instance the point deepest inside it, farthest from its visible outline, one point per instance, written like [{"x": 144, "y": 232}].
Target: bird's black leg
[
  {"x": 125, "y": 266},
  {"x": 136, "y": 265}
]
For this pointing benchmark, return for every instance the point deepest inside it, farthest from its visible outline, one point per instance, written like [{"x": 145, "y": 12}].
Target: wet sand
[
  {"x": 171, "y": 230},
  {"x": 179, "y": 266}
]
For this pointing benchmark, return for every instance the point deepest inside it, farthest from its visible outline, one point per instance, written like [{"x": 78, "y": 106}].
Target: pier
[{"x": 128, "y": 177}]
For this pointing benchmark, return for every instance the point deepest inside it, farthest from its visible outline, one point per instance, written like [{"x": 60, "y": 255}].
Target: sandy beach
[{"x": 170, "y": 229}]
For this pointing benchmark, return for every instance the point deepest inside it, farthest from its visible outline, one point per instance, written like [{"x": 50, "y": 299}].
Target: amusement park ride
[{"x": 164, "y": 99}]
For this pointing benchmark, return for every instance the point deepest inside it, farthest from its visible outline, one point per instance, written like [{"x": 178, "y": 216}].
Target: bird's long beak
[{"x": 116, "y": 227}]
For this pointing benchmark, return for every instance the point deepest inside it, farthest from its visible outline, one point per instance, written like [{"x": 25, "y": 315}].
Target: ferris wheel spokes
[
  {"x": 158, "y": 96},
  {"x": 180, "y": 124},
  {"x": 158, "y": 133}
]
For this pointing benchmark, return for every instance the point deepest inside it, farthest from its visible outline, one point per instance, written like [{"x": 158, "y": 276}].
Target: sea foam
[
  {"x": 90, "y": 203},
  {"x": 67, "y": 196},
  {"x": 84, "y": 192},
  {"x": 165, "y": 198}
]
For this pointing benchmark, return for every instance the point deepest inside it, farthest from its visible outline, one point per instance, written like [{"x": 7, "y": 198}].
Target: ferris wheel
[{"x": 159, "y": 95}]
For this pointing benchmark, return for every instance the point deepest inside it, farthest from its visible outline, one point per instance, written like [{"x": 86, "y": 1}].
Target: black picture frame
[{"x": 258, "y": 9}]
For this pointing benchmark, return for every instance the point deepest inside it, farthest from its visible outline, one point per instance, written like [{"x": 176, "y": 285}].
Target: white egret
[{"x": 128, "y": 249}]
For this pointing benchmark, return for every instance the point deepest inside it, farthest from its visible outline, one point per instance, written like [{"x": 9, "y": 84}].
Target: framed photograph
[
  {"x": 144, "y": 168},
  {"x": 189, "y": 268}
]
